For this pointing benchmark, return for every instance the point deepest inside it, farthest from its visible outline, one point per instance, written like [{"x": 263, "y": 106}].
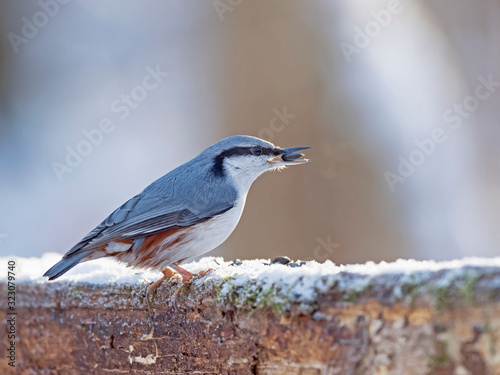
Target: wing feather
[
  {"x": 143, "y": 216},
  {"x": 188, "y": 195}
]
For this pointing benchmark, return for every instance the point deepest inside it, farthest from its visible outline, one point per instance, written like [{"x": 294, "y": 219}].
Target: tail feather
[{"x": 64, "y": 265}]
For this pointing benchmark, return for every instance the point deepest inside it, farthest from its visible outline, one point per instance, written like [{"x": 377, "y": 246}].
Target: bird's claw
[
  {"x": 203, "y": 273},
  {"x": 189, "y": 277},
  {"x": 186, "y": 277}
]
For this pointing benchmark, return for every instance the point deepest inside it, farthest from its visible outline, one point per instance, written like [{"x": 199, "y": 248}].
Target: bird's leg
[
  {"x": 167, "y": 272},
  {"x": 186, "y": 275}
]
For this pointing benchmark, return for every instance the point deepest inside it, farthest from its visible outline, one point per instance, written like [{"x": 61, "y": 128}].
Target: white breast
[{"x": 206, "y": 236}]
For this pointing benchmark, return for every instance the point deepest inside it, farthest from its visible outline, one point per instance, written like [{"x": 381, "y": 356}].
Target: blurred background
[{"x": 399, "y": 99}]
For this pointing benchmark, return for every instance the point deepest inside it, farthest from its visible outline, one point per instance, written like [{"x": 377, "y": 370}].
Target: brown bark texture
[{"x": 438, "y": 322}]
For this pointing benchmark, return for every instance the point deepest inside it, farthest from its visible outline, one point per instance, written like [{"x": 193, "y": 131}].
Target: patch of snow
[
  {"x": 256, "y": 279},
  {"x": 100, "y": 271}
]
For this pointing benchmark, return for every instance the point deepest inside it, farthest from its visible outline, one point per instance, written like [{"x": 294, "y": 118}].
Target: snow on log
[{"x": 253, "y": 317}]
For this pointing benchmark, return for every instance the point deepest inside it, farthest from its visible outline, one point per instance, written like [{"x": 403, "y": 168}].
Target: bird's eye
[{"x": 257, "y": 150}]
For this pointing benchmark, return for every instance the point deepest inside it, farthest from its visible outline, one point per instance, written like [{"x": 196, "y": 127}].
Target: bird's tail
[{"x": 65, "y": 264}]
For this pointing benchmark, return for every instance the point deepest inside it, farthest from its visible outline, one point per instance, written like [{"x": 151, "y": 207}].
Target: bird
[{"x": 184, "y": 214}]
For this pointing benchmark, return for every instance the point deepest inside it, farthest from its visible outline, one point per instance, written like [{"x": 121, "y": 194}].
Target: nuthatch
[{"x": 184, "y": 214}]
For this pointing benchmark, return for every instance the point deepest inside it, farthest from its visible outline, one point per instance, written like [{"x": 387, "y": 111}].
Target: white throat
[{"x": 241, "y": 179}]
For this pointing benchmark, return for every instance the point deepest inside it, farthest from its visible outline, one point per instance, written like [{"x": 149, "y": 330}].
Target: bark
[{"x": 444, "y": 322}]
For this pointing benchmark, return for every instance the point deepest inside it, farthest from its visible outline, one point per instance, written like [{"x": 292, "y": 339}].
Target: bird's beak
[{"x": 289, "y": 156}]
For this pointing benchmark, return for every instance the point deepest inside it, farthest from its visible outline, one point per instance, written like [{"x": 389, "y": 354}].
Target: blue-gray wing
[{"x": 141, "y": 216}]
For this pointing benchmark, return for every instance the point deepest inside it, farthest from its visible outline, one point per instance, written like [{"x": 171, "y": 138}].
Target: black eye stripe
[
  {"x": 245, "y": 151},
  {"x": 217, "y": 168}
]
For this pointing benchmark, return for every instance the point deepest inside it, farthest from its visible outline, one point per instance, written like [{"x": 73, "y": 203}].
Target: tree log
[{"x": 402, "y": 318}]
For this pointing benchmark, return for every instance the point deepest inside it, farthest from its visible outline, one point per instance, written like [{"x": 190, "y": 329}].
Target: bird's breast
[
  {"x": 177, "y": 245},
  {"x": 210, "y": 234}
]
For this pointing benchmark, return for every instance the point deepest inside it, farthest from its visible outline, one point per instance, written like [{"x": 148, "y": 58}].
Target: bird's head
[{"x": 244, "y": 158}]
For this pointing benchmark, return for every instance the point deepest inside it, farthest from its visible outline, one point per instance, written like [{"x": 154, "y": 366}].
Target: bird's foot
[
  {"x": 150, "y": 291},
  {"x": 186, "y": 275},
  {"x": 203, "y": 273},
  {"x": 167, "y": 273}
]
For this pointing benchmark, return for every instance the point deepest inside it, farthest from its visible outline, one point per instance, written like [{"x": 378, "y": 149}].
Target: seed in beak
[{"x": 292, "y": 156}]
